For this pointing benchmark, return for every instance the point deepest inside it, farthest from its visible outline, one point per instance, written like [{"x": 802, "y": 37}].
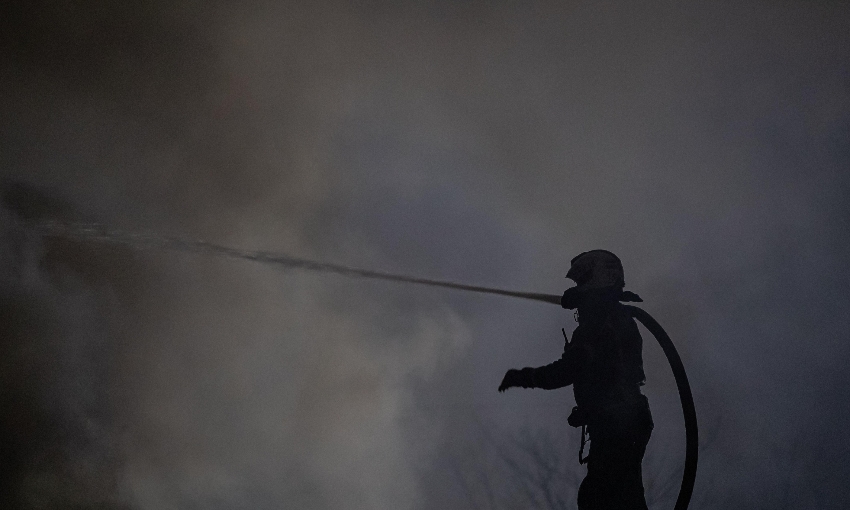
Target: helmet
[{"x": 596, "y": 269}]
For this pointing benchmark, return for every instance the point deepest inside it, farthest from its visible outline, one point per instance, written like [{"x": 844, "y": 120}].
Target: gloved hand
[{"x": 516, "y": 378}]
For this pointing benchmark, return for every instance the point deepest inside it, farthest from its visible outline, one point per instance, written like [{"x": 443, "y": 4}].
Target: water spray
[
  {"x": 143, "y": 241},
  {"x": 96, "y": 232}
]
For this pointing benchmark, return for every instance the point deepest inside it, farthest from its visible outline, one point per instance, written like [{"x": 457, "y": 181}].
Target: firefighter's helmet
[{"x": 596, "y": 269}]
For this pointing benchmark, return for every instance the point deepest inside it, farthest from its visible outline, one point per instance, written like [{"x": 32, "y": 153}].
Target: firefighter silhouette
[{"x": 603, "y": 362}]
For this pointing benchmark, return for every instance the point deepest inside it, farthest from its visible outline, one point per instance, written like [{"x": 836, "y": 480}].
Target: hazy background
[{"x": 706, "y": 143}]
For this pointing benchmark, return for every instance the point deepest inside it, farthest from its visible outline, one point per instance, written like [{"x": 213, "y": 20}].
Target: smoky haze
[{"x": 708, "y": 145}]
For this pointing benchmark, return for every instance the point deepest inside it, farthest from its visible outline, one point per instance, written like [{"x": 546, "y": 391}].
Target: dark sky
[{"x": 706, "y": 143}]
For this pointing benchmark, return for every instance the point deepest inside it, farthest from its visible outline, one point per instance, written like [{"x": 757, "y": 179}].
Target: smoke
[
  {"x": 190, "y": 389},
  {"x": 704, "y": 144}
]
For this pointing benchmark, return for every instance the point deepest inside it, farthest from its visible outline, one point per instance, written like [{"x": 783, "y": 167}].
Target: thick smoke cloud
[{"x": 705, "y": 144}]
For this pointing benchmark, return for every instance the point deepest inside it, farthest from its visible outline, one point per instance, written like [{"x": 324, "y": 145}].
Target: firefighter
[{"x": 604, "y": 364}]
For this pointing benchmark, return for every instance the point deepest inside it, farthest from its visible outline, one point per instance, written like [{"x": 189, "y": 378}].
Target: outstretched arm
[{"x": 557, "y": 374}]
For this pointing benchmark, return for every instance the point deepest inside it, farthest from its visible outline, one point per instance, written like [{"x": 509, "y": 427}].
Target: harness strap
[{"x": 581, "y": 458}]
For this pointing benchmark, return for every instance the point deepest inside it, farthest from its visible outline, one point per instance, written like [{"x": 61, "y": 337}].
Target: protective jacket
[{"x": 604, "y": 363}]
